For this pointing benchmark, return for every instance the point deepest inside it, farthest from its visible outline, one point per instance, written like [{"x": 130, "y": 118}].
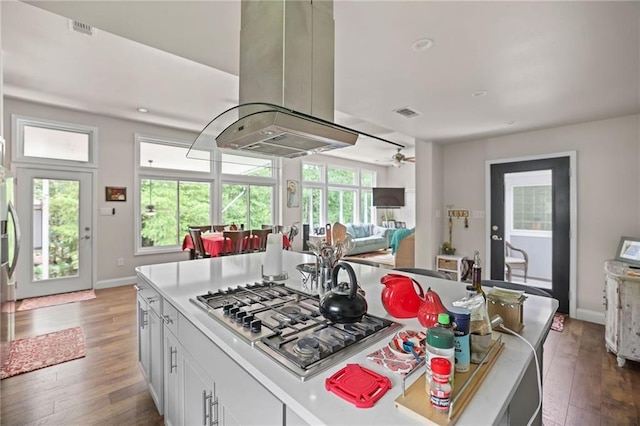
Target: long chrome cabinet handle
[
  {"x": 206, "y": 403},
  {"x": 215, "y": 406}
]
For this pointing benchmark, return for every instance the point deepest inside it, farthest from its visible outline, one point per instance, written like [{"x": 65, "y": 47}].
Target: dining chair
[
  {"x": 425, "y": 272},
  {"x": 275, "y": 228},
  {"x": 198, "y": 245},
  {"x": 219, "y": 228},
  {"x": 204, "y": 228},
  {"x": 238, "y": 242},
  {"x": 259, "y": 237},
  {"x": 515, "y": 261},
  {"x": 514, "y": 286}
]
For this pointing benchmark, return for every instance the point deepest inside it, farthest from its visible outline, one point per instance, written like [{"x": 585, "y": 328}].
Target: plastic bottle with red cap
[{"x": 440, "y": 390}]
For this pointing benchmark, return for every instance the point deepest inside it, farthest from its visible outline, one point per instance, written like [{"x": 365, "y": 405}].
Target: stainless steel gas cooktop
[{"x": 287, "y": 325}]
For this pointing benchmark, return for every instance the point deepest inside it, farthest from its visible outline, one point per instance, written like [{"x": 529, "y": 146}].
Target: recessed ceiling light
[
  {"x": 421, "y": 44},
  {"x": 143, "y": 110},
  {"x": 510, "y": 123},
  {"x": 479, "y": 93}
]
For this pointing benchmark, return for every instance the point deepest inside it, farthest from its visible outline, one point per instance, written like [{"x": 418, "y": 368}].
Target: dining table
[{"x": 213, "y": 243}]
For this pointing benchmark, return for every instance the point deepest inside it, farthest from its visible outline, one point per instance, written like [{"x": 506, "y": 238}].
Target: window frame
[
  {"x": 157, "y": 173},
  {"x": 325, "y": 187},
  {"x": 18, "y": 123}
]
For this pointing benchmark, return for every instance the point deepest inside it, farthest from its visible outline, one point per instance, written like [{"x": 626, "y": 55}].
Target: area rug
[
  {"x": 382, "y": 256},
  {"x": 56, "y": 299},
  {"x": 558, "y": 322},
  {"x": 33, "y": 353}
]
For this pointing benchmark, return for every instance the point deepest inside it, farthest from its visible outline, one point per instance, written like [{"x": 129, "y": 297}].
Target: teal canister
[
  {"x": 461, "y": 320},
  {"x": 440, "y": 343}
]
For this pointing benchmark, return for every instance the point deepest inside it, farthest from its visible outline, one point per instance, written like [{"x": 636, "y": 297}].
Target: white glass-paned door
[{"x": 55, "y": 207}]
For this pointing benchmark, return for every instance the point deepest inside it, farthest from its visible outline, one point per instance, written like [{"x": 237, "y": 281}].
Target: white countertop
[{"x": 180, "y": 281}]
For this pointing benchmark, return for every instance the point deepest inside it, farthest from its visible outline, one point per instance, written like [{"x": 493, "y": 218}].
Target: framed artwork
[
  {"x": 401, "y": 225},
  {"x": 629, "y": 251},
  {"x": 392, "y": 224},
  {"x": 116, "y": 193},
  {"x": 385, "y": 224},
  {"x": 293, "y": 195}
]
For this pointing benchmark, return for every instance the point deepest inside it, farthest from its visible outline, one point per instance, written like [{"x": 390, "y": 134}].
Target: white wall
[
  {"x": 115, "y": 237},
  {"x": 608, "y": 178},
  {"x": 404, "y": 177},
  {"x": 115, "y": 168}
]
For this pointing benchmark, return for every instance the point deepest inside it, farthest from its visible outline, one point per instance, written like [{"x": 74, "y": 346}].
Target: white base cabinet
[
  {"x": 622, "y": 311},
  {"x": 198, "y": 383},
  {"x": 150, "y": 342}
]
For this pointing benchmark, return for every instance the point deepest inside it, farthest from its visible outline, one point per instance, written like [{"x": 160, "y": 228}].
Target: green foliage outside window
[
  {"x": 252, "y": 214},
  {"x": 311, "y": 173},
  {"x": 63, "y": 207},
  {"x": 311, "y": 199},
  {"x": 172, "y": 218},
  {"x": 341, "y": 176},
  {"x": 341, "y": 206}
]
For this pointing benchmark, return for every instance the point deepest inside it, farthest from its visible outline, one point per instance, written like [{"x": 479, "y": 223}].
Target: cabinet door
[
  {"x": 611, "y": 313},
  {"x": 172, "y": 377},
  {"x": 156, "y": 367},
  {"x": 198, "y": 394},
  {"x": 629, "y": 320},
  {"x": 143, "y": 337}
]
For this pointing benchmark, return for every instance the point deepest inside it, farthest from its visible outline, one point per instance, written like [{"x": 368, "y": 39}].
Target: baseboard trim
[
  {"x": 117, "y": 282},
  {"x": 590, "y": 316}
]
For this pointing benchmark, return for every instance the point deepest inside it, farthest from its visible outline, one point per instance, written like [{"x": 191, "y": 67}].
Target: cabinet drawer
[
  {"x": 452, "y": 265},
  {"x": 170, "y": 317}
]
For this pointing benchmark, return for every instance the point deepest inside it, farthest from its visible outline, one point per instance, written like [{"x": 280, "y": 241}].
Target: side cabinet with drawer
[
  {"x": 452, "y": 265},
  {"x": 150, "y": 340}
]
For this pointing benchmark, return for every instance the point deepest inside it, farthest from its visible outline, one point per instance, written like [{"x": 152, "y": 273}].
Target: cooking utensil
[
  {"x": 343, "y": 307},
  {"x": 409, "y": 347}
]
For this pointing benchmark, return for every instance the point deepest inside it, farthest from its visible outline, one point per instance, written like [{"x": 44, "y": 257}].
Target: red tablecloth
[{"x": 213, "y": 243}]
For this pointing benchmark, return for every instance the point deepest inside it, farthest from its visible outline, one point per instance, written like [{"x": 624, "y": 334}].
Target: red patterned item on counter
[{"x": 358, "y": 385}]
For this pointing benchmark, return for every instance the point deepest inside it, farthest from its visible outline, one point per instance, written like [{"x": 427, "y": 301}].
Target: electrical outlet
[
  {"x": 478, "y": 214},
  {"x": 120, "y": 261}
]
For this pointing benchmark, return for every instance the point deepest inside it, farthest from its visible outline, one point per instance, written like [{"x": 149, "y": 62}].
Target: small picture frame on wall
[
  {"x": 392, "y": 224},
  {"x": 629, "y": 251},
  {"x": 401, "y": 225},
  {"x": 116, "y": 193},
  {"x": 385, "y": 224}
]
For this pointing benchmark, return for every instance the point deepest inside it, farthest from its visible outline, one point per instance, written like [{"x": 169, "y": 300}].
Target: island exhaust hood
[{"x": 286, "y": 85}]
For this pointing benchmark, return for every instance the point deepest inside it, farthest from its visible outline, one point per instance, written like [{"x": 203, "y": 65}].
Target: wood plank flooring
[{"x": 582, "y": 383}]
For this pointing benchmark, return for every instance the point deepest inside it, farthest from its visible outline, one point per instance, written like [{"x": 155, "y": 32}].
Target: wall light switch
[
  {"x": 107, "y": 211},
  {"x": 478, "y": 214}
]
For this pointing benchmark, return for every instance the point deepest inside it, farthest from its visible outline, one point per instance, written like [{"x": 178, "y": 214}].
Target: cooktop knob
[
  {"x": 246, "y": 321},
  {"x": 233, "y": 312},
  {"x": 240, "y": 315},
  {"x": 226, "y": 308},
  {"x": 256, "y": 326}
]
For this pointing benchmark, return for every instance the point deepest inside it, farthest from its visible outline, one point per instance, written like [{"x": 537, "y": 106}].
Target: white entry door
[{"x": 55, "y": 210}]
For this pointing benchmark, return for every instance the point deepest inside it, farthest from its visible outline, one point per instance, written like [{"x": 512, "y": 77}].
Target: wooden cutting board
[{"x": 416, "y": 400}]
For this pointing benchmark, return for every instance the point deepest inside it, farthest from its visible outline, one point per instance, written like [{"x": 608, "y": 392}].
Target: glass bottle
[{"x": 476, "y": 275}]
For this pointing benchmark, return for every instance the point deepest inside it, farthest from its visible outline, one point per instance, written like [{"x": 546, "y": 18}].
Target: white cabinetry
[
  {"x": 622, "y": 311},
  {"x": 202, "y": 384},
  {"x": 150, "y": 342},
  {"x": 453, "y": 265}
]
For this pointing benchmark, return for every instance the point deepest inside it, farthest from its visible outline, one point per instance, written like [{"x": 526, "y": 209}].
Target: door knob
[
  {"x": 496, "y": 238},
  {"x": 86, "y": 237}
]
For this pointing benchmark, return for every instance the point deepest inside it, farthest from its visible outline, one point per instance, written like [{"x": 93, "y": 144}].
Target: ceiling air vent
[
  {"x": 80, "y": 27},
  {"x": 407, "y": 112}
]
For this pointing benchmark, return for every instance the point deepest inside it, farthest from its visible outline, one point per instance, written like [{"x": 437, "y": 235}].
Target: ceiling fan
[{"x": 398, "y": 159}]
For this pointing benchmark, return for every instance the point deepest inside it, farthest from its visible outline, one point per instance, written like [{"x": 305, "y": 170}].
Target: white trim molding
[{"x": 116, "y": 282}]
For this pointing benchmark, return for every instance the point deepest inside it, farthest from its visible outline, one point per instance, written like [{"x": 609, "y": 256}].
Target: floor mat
[
  {"x": 56, "y": 299},
  {"x": 558, "y": 322},
  {"x": 33, "y": 353}
]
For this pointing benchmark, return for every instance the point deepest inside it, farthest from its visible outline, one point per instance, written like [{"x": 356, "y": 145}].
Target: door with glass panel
[{"x": 55, "y": 207}]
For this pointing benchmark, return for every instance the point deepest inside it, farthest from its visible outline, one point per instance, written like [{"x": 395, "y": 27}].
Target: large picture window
[
  {"x": 248, "y": 205},
  {"x": 336, "y": 194}
]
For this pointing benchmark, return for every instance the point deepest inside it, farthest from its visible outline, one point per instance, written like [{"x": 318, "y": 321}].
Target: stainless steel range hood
[{"x": 286, "y": 84}]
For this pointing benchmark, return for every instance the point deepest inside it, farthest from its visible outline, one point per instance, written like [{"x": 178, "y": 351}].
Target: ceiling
[{"x": 494, "y": 68}]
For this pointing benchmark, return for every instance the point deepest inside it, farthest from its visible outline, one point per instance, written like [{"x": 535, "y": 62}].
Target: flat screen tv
[{"x": 388, "y": 197}]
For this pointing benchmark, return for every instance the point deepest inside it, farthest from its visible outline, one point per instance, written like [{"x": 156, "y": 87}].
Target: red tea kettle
[{"x": 399, "y": 297}]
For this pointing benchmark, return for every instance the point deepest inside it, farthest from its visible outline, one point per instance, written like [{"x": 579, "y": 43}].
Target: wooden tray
[{"x": 416, "y": 400}]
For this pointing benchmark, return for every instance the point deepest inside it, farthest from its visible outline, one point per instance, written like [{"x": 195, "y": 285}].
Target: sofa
[{"x": 368, "y": 237}]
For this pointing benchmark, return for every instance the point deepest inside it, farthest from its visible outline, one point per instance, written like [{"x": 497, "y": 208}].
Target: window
[
  {"x": 53, "y": 142},
  {"x": 532, "y": 208},
  {"x": 247, "y": 166},
  {"x": 174, "y": 192},
  {"x": 345, "y": 197},
  {"x": 248, "y": 205}
]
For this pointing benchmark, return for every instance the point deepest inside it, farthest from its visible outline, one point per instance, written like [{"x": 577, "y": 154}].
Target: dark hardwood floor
[{"x": 582, "y": 383}]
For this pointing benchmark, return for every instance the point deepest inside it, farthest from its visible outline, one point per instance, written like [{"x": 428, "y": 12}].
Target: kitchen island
[{"x": 200, "y": 372}]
